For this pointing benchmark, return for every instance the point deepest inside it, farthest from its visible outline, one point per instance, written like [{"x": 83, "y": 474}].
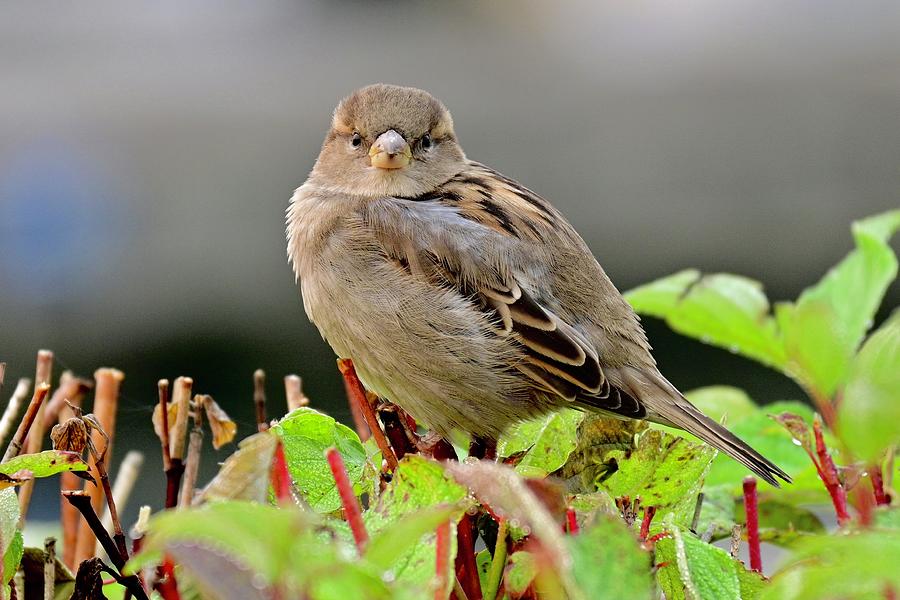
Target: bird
[{"x": 462, "y": 296}]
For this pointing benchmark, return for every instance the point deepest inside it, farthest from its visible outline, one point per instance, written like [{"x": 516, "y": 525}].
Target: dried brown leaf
[
  {"x": 223, "y": 427},
  {"x": 70, "y": 436},
  {"x": 157, "y": 417}
]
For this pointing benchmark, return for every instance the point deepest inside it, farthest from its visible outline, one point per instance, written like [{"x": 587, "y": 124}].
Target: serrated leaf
[
  {"x": 869, "y": 414},
  {"x": 418, "y": 486},
  {"x": 547, "y": 441},
  {"x": 725, "y": 310},
  {"x": 752, "y": 584},
  {"x": 697, "y": 570},
  {"x": 860, "y": 565},
  {"x": 306, "y": 434},
  {"x": 44, "y": 464},
  {"x": 609, "y": 563},
  {"x": 245, "y": 474},
  {"x": 663, "y": 470}
]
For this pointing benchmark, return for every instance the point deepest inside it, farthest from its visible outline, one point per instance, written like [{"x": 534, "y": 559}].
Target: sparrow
[{"x": 461, "y": 295}]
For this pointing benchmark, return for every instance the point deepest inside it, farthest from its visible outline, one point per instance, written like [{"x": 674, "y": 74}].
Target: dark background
[{"x": 148, "y": 151}]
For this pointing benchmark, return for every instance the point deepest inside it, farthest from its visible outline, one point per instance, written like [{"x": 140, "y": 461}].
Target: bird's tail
[{"x": 666, "y": 405}]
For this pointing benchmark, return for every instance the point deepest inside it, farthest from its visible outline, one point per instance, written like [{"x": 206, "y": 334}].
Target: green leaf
[
  {"x": 752, "y": 583},
  {"x": 547, "y": 441},
  {"x": 701, "y": 571},
  {"x": 10, "y": 535},
  {"x": 818, "y": 353},
  {"x": 244, "y": 546},
  {"x": 664, "y": 470},
  {"x": 829, "y": 320},
  {"x": 724, "y": 310},
  {"x": 306, "y": 434},
  {"x": 782, "y": 523},
  {"x": 607, "y": 562},
  {"x": 869, "y": 414},
  {"x": 589, "y": 507},
  {"x": 861, "y": 565},
  {"x": 483, "y": 563},
  {"x": 419, "y": 485},
  {"x": 13, "y": 556},
  {"x": 352, "y": 582},
  {"x": 233, "y": 527},
  {"x": 401, "y": 536},
  {"x": 520, "y": 573},
  {"x": 44, "y": 464},
  {"x": 598, "y": 436},
  {"x": 112, "y": 591}
]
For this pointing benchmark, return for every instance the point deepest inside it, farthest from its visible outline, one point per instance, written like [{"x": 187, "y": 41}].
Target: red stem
[
  {"x": 466, "y": 569},
  {"x": 649, "y": 513},
  {"x": 281, "y": 478},
  {"x": 828, "y": 473},
  {"x": 751, "y": 507},
  {"x": 168, "y": 586},
  {"x": 173, "y": 482},
  {"x": 571, "y": 521},
  {"x": 357, "y": 396},
  {"x": 442, "y": 560},
  {"x": 348, "y": 498},
  {"x": 359, "y": 421},
  {"x": 396, "y": 433},
  {"x": 881, "y": 498},
  {"x": 865, "y": 505}
]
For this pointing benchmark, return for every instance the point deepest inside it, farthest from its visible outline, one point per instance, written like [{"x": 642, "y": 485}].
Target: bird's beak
[{"x": 390, "y": 151}]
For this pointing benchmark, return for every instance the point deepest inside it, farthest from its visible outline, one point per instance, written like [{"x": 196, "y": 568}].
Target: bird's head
[{"x": 387, "y": 140}]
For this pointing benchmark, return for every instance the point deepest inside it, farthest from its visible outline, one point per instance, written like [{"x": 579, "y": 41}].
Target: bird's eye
[
  {"x": 426, "y": 141},
  {"x": 356, "y": 140}
]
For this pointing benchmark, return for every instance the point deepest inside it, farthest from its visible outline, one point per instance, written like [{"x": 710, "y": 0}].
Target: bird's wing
[
  {"x": 477, "y": 248},
  {"x": 486, "y": 238}
]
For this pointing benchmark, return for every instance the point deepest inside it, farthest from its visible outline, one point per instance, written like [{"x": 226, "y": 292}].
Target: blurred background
[{"x": 148, "y": 152}]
